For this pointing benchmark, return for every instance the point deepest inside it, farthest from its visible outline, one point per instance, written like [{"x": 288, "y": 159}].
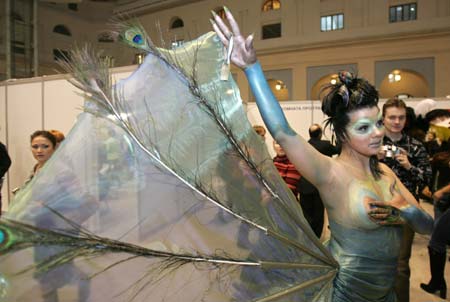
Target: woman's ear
[{"x": 341, "y": 139}]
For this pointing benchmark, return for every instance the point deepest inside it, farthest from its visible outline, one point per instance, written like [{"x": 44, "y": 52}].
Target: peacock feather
[
  {"x": 162, "y": 191},
  {"x": 131, "y": 33}
]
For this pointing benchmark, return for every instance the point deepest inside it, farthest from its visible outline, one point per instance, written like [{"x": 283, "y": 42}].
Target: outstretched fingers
[
  {"x": 249, "y": 42},
  {"x": 232, "y": 21},
  {"x": 221, "y": 25},
  {"x": 242, "y": 52},
  {"x": 219, "y": 33}
]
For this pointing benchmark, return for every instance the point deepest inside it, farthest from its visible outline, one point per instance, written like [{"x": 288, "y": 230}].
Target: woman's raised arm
[{"x": 311, "y": 163}]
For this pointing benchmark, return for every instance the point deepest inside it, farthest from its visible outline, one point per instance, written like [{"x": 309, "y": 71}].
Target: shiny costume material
[
  {"x": 366, "y": 252},
  {"x": 192, "y": 209},
  {"x": 368, "y": 262}
]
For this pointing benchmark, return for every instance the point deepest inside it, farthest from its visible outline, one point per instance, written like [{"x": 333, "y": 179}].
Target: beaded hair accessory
[{"x": 346, "y": 79}]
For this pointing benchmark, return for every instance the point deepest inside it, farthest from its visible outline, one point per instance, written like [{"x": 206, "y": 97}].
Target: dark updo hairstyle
[
  {"x": 350, "y": 93},
  {"x": 45, "y": 134}
]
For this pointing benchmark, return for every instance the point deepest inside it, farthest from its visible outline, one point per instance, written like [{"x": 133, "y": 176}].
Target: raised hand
[{"x": 243, "y": 54}]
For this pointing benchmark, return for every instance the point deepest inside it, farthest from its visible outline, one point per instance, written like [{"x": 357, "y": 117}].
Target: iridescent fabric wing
[{"x": 165, "y": 193}]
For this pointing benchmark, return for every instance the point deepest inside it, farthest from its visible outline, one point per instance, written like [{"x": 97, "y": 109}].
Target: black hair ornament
[{"x": 346, "y": 79}]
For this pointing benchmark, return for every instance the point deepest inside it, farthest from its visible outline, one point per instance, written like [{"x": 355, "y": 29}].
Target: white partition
[
  {"x": 24, "y": 116},
  {"x": 26, "y": 105},
  {"x": 62, "y": 104},
  {"x": 121, "y": 75}
]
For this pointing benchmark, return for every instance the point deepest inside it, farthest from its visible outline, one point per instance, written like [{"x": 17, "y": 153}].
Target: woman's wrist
[
  {"x": 252, "y": 67},
  {"x": 417, "y": 219}
]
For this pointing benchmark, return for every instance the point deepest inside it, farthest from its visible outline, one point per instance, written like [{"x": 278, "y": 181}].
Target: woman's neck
[
  {"x": 37, "y": 167},
  {"x": 359, "y": 162}
]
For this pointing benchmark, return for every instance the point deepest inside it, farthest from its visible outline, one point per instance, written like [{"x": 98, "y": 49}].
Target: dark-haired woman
[
  {"x": 43, "y": 145},
  {"x": 365, "y": 200}
]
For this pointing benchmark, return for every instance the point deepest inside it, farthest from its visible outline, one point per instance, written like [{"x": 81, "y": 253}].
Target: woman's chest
[{"x": 359, "y": 195}]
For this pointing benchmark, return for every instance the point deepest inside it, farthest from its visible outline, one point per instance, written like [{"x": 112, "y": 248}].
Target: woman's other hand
[
  {"x": 243, "y": 54},
  {"x": 384, "y": 214},
  {"x": 387, "y": 213}
]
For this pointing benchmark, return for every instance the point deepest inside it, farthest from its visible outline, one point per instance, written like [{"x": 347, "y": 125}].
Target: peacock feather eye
[
  {"x": 138, "y": 39},
  {"x": 3, "y": 236}
]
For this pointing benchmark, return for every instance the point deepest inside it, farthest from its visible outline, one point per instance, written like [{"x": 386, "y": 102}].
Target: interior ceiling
[
  {"x": 133, "y": 6},
  {"x": 147, "y": 6}
]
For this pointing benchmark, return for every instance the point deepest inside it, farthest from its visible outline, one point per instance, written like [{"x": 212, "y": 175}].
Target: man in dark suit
[
  {"x": 5, "y": 163},
  {"x": 310, "y": 200}
]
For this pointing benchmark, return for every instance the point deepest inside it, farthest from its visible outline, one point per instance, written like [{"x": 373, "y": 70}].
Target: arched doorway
[
  {"x": 322, "y": 83},
  {"x": 404, "y": 82},
  {"x": 279, "y": 89}
]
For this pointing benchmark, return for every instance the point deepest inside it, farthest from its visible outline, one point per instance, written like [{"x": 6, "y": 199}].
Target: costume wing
[{"x": 161, "y": 192}]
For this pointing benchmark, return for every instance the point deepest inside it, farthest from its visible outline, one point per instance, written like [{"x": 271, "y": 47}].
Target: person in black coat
[
  {"x": 5, "y": 163},
  {"x": 310, "y": 200}
]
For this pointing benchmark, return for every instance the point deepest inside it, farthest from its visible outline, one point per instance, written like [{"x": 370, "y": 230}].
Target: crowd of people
[{"x": 421, "y": 163}]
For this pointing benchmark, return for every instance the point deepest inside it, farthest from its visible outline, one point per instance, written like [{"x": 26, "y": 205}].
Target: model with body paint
[{"x": 366, "y": 202}]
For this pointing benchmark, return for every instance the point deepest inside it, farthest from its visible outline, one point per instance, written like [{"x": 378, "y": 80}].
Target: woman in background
[
  {"x": 43, "y": 144},
  {"x": 72, "y": 203}
]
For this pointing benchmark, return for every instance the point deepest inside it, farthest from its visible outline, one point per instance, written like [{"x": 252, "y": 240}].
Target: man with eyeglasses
[{"x": 408, "y": 158}]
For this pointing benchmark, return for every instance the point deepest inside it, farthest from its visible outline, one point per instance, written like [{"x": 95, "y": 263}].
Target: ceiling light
[{"x": 394, "y": 76}]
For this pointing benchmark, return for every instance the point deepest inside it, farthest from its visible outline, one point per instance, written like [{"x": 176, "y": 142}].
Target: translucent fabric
[{"x": 178, "y": 201}]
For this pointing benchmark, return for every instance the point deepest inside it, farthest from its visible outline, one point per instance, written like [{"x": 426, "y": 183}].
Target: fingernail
[
  {"x": 212, "y": 22},
  {"x": 226, "y": 9},
  {"x": 214, "y": 13}
]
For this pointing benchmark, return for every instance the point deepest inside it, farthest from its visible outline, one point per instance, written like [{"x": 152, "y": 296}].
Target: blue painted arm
[
  {"x": 268, "y": 106},
  {"x": 420, "y": 221}
]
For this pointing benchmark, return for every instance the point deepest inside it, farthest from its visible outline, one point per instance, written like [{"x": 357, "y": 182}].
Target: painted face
[
  {"x": 278, "y": 149},
  {"x": 42, "y": 148},
  {"x": 394, "y": 119},
  {"x": 366, "y": 130}
]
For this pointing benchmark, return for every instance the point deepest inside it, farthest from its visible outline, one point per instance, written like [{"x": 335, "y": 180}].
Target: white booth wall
[
  {"x": 53, "y": 103},
  {"x": 27, "y": 105}
]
